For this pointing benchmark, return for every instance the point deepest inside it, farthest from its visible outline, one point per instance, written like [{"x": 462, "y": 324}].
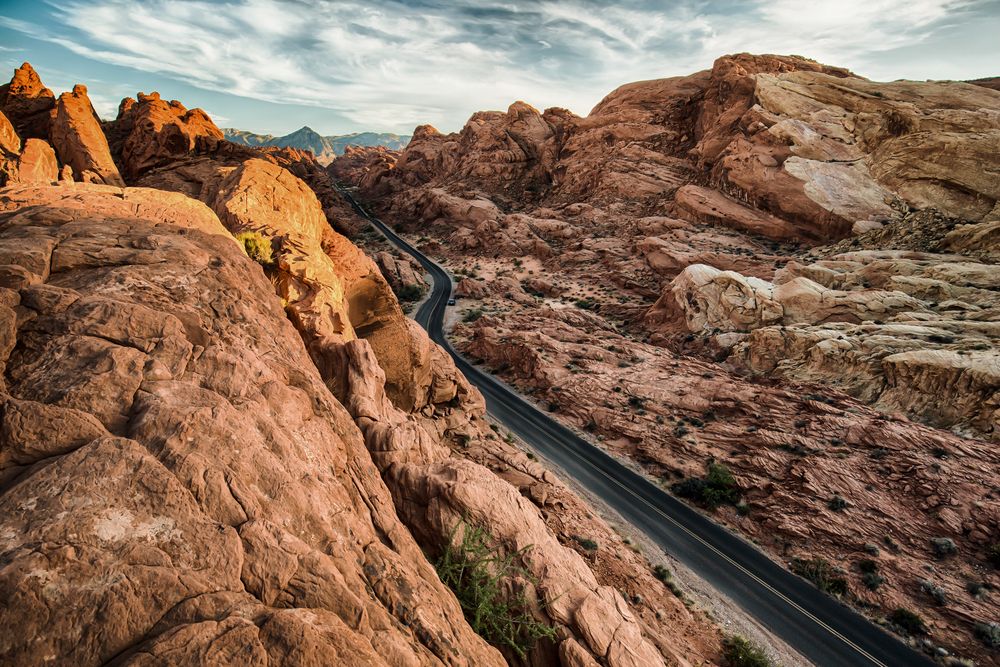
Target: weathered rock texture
[
  {"x": 778, "y": 229},
  {"x": 32, "y": 161},
  {"x": 151, "y": 132},
  {"x": 144, "y": 346},
  {"x": 27, "y": 103},
  {"x": 178, "y": 481},
  {"x": 76, "y": 133}
]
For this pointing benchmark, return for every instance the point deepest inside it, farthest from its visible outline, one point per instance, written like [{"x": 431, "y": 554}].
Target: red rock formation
[
  {"x": 37, "y": 163},
  {"x": 10, "y": 142},
  {"x": 77, "y": 136},
  {"x": 167, "y": 436},
  {"x": 34, "y": 163},
  {"x": 754, "y": 221},
  {"x": 27, "y": 103},
  {"x": 358, "y": 161},
  {"x": 152, "y": 132}
]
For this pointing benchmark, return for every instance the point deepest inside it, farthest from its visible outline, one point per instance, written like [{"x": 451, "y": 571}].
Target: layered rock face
[
  {"x": 166, "y": 435},
  {"x": 703, "y": 246}
]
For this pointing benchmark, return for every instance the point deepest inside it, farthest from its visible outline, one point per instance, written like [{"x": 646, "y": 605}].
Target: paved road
[{"x": 828, "y": 633}]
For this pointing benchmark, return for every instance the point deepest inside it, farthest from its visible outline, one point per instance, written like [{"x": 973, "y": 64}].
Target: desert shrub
[
  {"x": 993, "y": 554},
  {"x": 872, "y": 580},
  {"x": 821, "y": 574},
  {"x": 977, "y": 589},
  {"x": 586, "y": 304},
  {"x": 664, "y": 575},
  {"x": 472, "y": 315},
  {"x": 837, "y": 503},
  {"x": 481, "y": 576},
  {"x": 943, "y": 546},
  {"x": 257, "y": 247},
  {"x": 907, "y": 621},
  {"x": 741, "y": 652},
  {"x": 586, "y": 543},
  {"x": 935, "y": 591},
  {"x": 411, "y": 293},
  {"x": 989, "y": 634},
  {"x": 870, "y": 576},
  {"x": 717, "y": 488}
]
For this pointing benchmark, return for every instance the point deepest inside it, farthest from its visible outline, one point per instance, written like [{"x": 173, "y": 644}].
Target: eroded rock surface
[
  {"x": 167, "y": 436},
  {"x": 768, "y": 229},
  {"x": 76, "y": 133},
  {"x": 309, "y": 562},
  {"x": 27, "y": 103}
]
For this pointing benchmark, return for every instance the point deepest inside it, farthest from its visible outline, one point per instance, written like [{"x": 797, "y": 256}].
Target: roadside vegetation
[
  {"x": 823, "y": 575},
  {"x": 739, "y": 651},
  {"x": 716, "y": 488},
  {"x": 410, "y": 293}
]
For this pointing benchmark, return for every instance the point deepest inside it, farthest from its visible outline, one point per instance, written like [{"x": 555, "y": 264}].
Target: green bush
[
  {"x": 257, "y": 247},
  {"x": 907, "y": 621},
  {"x": 472, "y": 315},
  {"x": 410, "y": 293},
  {"x": 741, "y": 652},
  {"x": 481, "y": 576},
  {"x": 870, "y": 576},
  {"x": 717, "y": 488},
  {"x": 821, "y": 573},
  {"x": 989, "y": 634},
  {"x": 586, "y": 543}
]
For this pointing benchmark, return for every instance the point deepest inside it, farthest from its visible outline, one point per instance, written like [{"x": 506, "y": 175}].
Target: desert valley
[{"x": 769, "y": 289}]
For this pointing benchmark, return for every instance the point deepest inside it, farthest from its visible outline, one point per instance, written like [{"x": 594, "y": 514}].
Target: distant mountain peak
[{"x": 325, "y": 148}]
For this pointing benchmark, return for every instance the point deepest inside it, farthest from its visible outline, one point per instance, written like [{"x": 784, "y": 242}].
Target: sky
[{"x": 340, "y": 66}]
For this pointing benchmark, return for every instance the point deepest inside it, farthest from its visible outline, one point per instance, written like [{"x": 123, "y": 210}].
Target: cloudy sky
[{"x": 348, "y": 65}]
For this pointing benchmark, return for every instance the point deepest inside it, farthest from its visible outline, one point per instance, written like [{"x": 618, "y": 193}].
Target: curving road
[{"x": 825, "y": 631}]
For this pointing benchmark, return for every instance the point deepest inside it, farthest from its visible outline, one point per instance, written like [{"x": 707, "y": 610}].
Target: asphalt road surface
[{"x": 819, "y": 627}]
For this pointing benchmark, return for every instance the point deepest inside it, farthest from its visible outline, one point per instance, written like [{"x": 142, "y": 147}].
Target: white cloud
[{"x": 395, "y": 64}]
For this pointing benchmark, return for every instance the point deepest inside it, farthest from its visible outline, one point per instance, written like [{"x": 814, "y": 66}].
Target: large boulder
[
  {"x": 37, "y": 163},
  {"x": 78, "y": 138},
  {"x": 32, "y": 162},
  {"x": 706, "y": 299}
]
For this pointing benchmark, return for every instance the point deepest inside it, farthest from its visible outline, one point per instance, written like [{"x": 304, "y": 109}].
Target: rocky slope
[
  {"x": 774, "y": 264},
  {"x": 214, "y": 458},
  {"x": 324, "y": 148}
]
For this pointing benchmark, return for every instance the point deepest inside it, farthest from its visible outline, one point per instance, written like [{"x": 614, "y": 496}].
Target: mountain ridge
[{"x": 325, "y": 148}]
